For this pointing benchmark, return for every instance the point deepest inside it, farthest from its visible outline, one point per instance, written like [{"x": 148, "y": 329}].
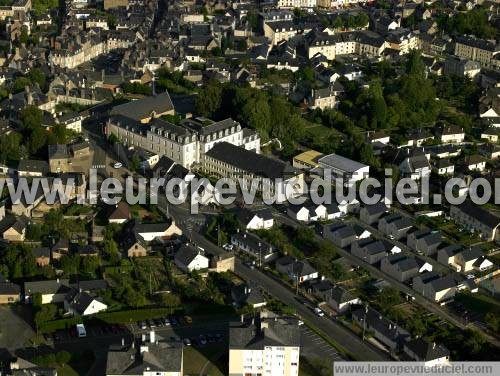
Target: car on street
[
  {"x": 151, "y": 324},
  {"x": 166, "y": 321},
  {"x": 142, "y": 325},
  {"x": 117, "y": 165},
  {"x": 187, "y": 342},
  {"x": 319, "y": 312},
  {"x": 228, "y": 247}
]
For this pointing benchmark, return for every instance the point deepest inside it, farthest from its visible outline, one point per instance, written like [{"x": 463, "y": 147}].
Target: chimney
[{"x": 152, "y": 336}]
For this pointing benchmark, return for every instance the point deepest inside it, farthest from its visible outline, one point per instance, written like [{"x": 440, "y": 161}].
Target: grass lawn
[
  {"x": 479, "y": 303},
  {"x": 212, "y": 356},
  {"x": 320, "y": 131}
]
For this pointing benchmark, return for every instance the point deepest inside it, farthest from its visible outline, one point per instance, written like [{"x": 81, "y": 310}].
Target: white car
[
  {"x": 117, "y": 165},
  {"x": 228, "y": 247},
  {"x": 319, "y": 312}
]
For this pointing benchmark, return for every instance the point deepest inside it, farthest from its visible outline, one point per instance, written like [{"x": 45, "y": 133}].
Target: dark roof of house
[
  {"x": 88, "y": 249},
  {"x": 90, "y": 285},
  {"x": 143, "y": 108},
  {"x": 250, "y": 161},
  {"x": 380, "y": 324},
  {"x": 80, "y": 301},
  {"x": 372, "y": 246},
  {"x": 377, "y": 208},
  {"x": 41, "y": 252},
  {"x": 426, "y": 350},
  {"x": 32, "y": 165},
  {"x": 59, "y": 286},
  {"x": 119, "y": 211},
  {"x": 8, "y": 288},
  {"x": 151, "y": 227},
  {"x": 253, "y": 242},
  {"x": 479, "y": 214},
  {"x": 277, "y": 333},
  {"x": 341, "y": 295},
  {"x": 471, "y": 254},
  {"x": 186, "y": 254}
]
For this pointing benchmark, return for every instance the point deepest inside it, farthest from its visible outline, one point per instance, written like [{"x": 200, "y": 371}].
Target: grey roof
[
  {"x": 372, "y": 246},
  {"x": 79, "y": 301},
  {"x": 186, "y": 254},
  {"x": 377, "y": 208},
  {"x": 451, "y": 250},
  {"x": 256, "y": 337},
  {"x": 159, "y": 357},
  {"x": 480, "y": 214},
  {"x": 33, "y": 165},
  {"x": 8, "y": 288},
  {"x": 151, "y": 227},
  {"x": 427, "y": 351},
  {"x": 375, "y": 321},
  {"x": 342, "y": 163},
  {"x": 341, "y": 295},
  {"x": 143, "y": 108},
  {"x": 58, "y": 151},
  {"x": 250, "y": 161},
  {"x": 47, "y": 287},
  {"x": 41, "y": 252},
  {"x": 471, "y": 254}
]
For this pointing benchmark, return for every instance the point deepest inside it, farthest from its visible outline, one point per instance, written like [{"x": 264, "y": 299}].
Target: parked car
[
  {"x": 151, "y": 324},
  {"x": 188, "y": 319},
  {"x": 319, "y": 312},
  {"x": 117, "y": 165},
  {"x": 203, "y": 339},
  {"x": 166, "y": 321},
  {"x": 187, "y": 342},
  {"x": 142, "y": 325}
]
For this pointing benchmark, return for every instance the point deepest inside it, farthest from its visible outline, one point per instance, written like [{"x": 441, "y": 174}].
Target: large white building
[
  {"x": 266, "y": 346},
  {"x": 185, "y": 143}
]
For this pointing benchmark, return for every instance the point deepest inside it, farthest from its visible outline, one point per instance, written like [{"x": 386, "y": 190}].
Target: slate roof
[
  {"x": 381, "y": 325},
  {"x": 186, "y": 254},
  {"x": 248, "y": 336},
  {"x": 47, "y": 287},
  {"x": 250, "y": 161},
  {"x": 377, "y": 208},
  {"x": 80, "y": 301},
  {"x": 471, "y": 254},
  {"x": 427, "y": 351},
  {"x": 8, "y": 288},
  {"x": 478, "y": 213},
  {"x": 142, "y": 108},
  {"x": 32, "y": 165},
  {"x": 341, "y": 295}
]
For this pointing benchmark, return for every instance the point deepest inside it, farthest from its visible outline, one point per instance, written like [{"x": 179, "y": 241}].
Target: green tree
[{"x": 209, "y": 99}]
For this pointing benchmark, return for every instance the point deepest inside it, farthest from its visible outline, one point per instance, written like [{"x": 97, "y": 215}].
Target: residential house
[
  {"x": 254, "y": 246},
  {"x": 52, "y": 291},
  {"x": 9, "y": 292},
  {"x": 444, "y": 167},
  {"x": 255, "y": 219},
  {"x": 340, "y": 234},
  {"x": 434, "y": 287},
  {"x": 221, "y": 263},
  {"x": 395, "y": 226},
  {"x": 82, "y": 304},
  {"x": 475, "y": 162},
  {"x": 446, "y": 256},
  {"x": 464, "y": 260},
  {"x": 371, "y": 214},
  {"x": 151, "y": 231},
  {"x": 451, "y": 134},
  {"x": 417, "y": 137},
  {"x": 120, "y": 213},
  {"x": 150, "y": 356},
  {"x": 476, "y": 219},
  {"x": 369, "y": 250},
  {"x": 14, "y": 229},
  {"x": 264, "y": 346},
  {"x": 245, "y": 295},
  {"x": 424, "y": 241},
  {"x": 32, "y": 168},
  {"x": 383, "y": 330},
  {"x": 298, "y": 271},
  {"x": 340, "y": 299},
  {"x": 430, "y": 353},
  {"x": 413, "y": 163},
  {"x": 189, "y": 258},
  {"x": 400, "y": 267},
  {"x": 479, "y": 50}
]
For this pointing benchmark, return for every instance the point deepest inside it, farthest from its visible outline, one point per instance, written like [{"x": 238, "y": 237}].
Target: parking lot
[{"x": 313, "y": 346}]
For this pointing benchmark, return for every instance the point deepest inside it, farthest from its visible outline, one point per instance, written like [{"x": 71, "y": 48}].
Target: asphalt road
[{"x": 335, "y": 331}]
